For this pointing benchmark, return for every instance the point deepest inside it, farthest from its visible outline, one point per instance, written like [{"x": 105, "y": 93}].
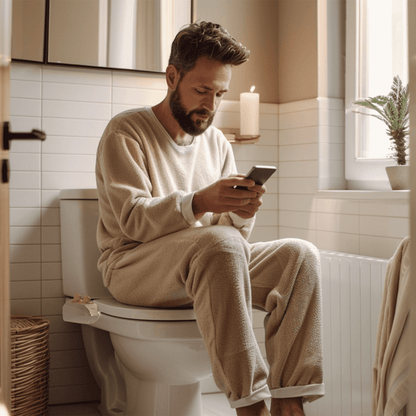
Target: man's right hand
[{"x": 221, "y": 197}]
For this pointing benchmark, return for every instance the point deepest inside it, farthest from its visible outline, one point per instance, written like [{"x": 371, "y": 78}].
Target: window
[{"x": 377, "y": 44}]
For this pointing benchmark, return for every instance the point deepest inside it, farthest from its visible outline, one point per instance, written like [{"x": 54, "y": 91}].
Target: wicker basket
[{"x": 30, "y": 365}]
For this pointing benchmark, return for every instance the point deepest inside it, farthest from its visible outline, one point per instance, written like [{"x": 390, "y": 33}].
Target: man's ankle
[
  {"x": 287, "y": 406},
  {"x": 255, "y": 409}
]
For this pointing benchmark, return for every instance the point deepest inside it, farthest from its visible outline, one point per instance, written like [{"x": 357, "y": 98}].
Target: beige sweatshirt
[{"x": 146, "y": 182}]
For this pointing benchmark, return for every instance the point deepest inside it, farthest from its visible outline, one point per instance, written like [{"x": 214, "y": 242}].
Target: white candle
[{"x": 249, "y": 113}]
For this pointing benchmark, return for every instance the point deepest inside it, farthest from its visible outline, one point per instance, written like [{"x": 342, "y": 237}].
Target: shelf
[{"x": 233, "y": 136}]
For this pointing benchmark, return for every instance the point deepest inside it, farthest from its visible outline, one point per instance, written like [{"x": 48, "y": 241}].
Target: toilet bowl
[{"x": 146, "y": 361}]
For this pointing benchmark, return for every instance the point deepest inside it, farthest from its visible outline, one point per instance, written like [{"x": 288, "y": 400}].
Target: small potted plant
[{"x": 393, "y": 109}]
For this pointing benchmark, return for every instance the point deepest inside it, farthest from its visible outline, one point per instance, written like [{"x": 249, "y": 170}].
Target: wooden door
[
  {"x": 4, "y": 246},
  {"x": 5, "y": 44}
]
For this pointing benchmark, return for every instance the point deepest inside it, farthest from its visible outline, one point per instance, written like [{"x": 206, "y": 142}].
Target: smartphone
[{"x": 259, "y": 174}]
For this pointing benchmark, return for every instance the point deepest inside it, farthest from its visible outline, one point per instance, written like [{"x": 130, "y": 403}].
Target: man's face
[{"x": 198, "y": 94}]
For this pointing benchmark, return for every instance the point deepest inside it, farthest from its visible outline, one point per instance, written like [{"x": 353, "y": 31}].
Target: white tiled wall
[
  {"x": 311, "y": 158},
  {"x": 73, "y": 106}
]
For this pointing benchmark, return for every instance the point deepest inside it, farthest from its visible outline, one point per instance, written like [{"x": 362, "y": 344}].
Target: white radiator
[{"x": 352, "y": 288}]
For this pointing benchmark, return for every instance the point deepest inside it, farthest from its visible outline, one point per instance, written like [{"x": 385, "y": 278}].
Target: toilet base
[{"x": 149, "y": 398}]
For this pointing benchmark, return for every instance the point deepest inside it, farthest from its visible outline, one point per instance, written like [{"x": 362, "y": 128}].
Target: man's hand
[{"x": 221, "y": 197}]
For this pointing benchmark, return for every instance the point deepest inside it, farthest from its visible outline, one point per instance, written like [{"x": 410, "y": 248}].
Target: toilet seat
[{"x": 112, "y": 307}]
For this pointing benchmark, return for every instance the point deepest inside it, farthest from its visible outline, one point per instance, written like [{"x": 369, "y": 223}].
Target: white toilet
[{"x": 146, "y": 361}]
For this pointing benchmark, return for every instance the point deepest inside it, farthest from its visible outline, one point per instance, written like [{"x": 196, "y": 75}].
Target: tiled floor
[{"x": 213, "y": 405}]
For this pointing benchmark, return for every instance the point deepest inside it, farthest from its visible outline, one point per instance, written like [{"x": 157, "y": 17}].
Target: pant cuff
[
  {"x": 315, "y": 390},
  {"x": 257, "y": 396}
]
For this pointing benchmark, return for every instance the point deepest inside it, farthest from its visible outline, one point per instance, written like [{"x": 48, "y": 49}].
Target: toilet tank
[{"x": 79, "y": 250}]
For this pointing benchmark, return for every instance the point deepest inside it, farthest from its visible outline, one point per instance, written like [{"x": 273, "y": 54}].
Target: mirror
[
  {"x": 117, "y": 34},
  {"x": 28, "y": 30}
]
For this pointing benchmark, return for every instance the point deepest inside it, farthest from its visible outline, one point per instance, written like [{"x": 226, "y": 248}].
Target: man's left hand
[{"x": 249, "y": 210}]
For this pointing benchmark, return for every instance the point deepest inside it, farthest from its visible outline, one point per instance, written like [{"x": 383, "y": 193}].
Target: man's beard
[{"x": 193, "y": 128}]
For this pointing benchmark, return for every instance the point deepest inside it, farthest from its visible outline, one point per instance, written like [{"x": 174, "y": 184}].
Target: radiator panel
[{"x": 352, "y": 288}]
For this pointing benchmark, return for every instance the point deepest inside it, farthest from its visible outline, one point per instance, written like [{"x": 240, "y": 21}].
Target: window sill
[{"x": 365, "y": 195}]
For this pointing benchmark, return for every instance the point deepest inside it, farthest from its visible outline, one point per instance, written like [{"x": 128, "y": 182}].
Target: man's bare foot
[
  {"x": 287, "y": 407},
  {"x": 256, "y": 409}
]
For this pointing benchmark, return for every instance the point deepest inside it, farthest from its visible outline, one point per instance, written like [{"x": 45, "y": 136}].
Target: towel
[{"x": 391, "y": 364}]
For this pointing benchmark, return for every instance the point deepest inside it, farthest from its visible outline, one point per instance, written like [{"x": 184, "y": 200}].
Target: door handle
[{"x": 7, "y": 137}]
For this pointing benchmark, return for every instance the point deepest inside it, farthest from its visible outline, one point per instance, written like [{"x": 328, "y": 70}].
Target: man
[{"x": 173, "y": 232}]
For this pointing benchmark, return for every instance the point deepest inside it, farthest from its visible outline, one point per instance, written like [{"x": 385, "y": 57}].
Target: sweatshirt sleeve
[
  {"x": 127, "y": 207},
  {"x": 245, "y": 226}
]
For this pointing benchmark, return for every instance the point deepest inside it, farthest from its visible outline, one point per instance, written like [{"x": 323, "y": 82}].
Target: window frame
[{"x": 360, "y": 173}]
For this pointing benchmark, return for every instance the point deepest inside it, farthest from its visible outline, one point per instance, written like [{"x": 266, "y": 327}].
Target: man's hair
[{"x": 205, "y": 39}]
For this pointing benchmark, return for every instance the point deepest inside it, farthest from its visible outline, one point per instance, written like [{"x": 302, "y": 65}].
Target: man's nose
[{"x": 211, "y": 103}]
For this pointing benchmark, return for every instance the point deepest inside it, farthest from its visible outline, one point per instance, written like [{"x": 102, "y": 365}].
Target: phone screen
[{"x": 259, "y": 174}]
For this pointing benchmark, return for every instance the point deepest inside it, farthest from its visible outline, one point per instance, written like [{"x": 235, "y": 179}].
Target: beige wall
[
  {"x": 241, "y": 18},
  {"x": 297, "y": 50}
]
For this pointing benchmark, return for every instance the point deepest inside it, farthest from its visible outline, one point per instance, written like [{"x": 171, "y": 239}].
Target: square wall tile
[
  {"x": 73, "y": 127},
  {"x": 52, "y": 271},
  {"x": 24, "y": 235},
  {"x": 51, "y": 235},
  {"x": 53, "y": 306},
  {"x": 297, "y": 202},
  {"x": 30, "y": 307},
  {"x": 259, "y": 233},
  {"x": 266, "y": 218},
  {"x": 338, "y": 206},
  {"x": 52, "y": 289},
  {"x": 302, "y": 233},
  {"x": 255, "y": 153},
  {"x": 298, "y": 152},
  {"x": 28, "y": 198},
  {"x": 24, "y": 180},
  {"x": 304, "y": 135},
  {"x": 137, "y": 96},
  {"x": 25, "y": 89},
  {"x": 24, "y": 161},
  {"x": 51, "y": 253},
  {"x": 297, "y": 219},
  {"x": 29, "y": 253},
  {"x": 298, "y": 185},
  {"x": 25, "y": 217},
  {"x": 384, "y": 226},
  {"x": 76, "y": 109},
  {"x": 25, "y": 290},
  {"x": 25, "y": 271},
  {"x": 25, "y": 107},
  {"x": 66, "y": 341},
  {"x": 76, "y": 92},
  {"x": 338, "y": 223},
  {"x": 68, "y": 163},
  {"x": 26, "y": 72},
  {"x": 68, "y": 180},
  {"x": 299, "y": 169},
  {"x": 382, "y": 247},
  {"x": 51, "y": 216},
  {"x": 398, "y": 209},
  {"x": 82, "y": 76},
  {"x": 70, "y": 145},
  {"x": 341, "y": 242}
]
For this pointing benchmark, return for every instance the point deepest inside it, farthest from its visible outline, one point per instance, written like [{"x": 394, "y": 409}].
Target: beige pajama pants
[{"x": 217, "y": 272}]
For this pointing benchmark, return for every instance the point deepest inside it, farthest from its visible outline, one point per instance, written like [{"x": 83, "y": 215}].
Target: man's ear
[{"x": 172, "y": 77}]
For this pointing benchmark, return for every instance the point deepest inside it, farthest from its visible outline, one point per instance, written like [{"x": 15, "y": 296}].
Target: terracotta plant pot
[{"x": 399, "y": 177}]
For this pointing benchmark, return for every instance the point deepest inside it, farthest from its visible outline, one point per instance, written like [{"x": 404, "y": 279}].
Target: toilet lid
[{"x": 111, "y": 306}]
